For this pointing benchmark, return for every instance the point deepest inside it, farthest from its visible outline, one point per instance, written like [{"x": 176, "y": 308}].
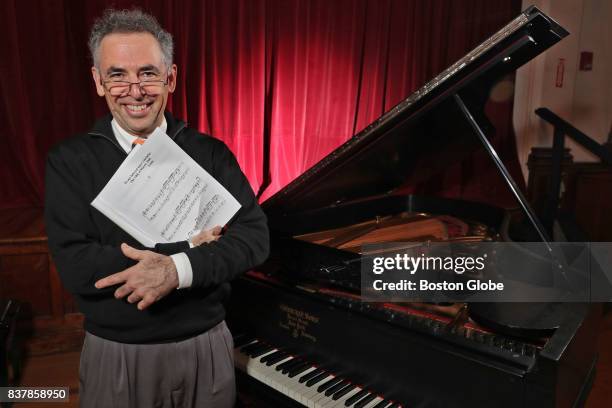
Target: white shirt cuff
[{"x": 183, "y": 269}]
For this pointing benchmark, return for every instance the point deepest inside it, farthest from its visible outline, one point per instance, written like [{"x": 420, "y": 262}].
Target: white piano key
[
  {"x": 326, "y": 402},
  {"x": 255, "y": 369},
  {"x": 266, "y": 373},
  {"x": 273, "y": 377},
  {"x": 288, "y": 386},
  {"x": 291, "y": 387},
  {"x": 269, "y": 373},
  {"x": 294, "y": 387},
  {"x": 311, "y": 396}
]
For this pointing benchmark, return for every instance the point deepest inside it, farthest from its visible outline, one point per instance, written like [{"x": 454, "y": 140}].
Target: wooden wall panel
[
  {"x": 26, "y": 278},
  {"x": 586, "y": 192},
  {"x": 48, "y": 321},
  {"x": 593, "y": 205}
]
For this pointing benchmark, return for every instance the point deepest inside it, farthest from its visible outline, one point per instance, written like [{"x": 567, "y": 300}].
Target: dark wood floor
[
  {"x": 55, "y": 370},
  {"x": 62, "y": 370}
]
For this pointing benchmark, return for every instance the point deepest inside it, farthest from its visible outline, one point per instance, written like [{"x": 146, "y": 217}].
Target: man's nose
[{"x": 135, "y": 90}]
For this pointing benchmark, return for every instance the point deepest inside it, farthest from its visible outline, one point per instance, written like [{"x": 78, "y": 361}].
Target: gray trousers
[{"x": 198, "y": 372}]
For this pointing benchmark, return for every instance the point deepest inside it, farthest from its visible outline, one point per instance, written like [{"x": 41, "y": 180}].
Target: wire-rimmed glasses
[{"x": 149, "y": 86}]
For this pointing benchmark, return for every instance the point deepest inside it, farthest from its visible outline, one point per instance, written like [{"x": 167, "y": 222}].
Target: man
[{"x": 154, "y": 317}]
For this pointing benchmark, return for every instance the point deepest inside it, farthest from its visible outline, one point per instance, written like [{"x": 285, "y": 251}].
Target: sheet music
[{"x": 159, "y": 194}]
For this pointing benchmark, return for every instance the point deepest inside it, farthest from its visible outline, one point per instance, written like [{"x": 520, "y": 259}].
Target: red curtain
[{"x": 282, "y": 82}]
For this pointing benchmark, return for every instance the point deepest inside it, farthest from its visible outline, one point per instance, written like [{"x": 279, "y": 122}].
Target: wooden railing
[{"x": 562, "y": 128}]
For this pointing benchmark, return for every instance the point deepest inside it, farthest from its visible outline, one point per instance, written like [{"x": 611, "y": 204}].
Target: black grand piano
[{"x": 303, "y": 335}]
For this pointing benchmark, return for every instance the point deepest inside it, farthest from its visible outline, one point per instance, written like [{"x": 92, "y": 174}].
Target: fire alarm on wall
[
  {"x": 586, "y": 61},
  {"x": 560, "y": 73}
]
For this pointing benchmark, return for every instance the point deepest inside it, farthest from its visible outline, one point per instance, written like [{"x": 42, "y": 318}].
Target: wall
[{"x": 585, "y": 97}]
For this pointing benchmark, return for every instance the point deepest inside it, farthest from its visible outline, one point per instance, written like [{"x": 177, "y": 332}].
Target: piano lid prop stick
[
  {"x": 502, "y": 168},
  {"x": 512, "y": 184}
]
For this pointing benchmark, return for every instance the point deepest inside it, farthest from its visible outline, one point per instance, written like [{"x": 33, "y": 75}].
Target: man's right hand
[
  {"x": 152, "y": 278},
  {"x": 206, "y": 236}
]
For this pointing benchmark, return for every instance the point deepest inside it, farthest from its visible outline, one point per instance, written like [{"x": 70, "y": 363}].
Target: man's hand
[
  {"x": 206, "y": 236},
  {"x": 152, "y": 278}
]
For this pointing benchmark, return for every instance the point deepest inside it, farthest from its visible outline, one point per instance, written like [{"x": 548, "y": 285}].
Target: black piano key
[
  {"x": 365, "y": 401},
  {"x": 278, "y": 358},
  {"x": 242, "y": 339},
  {"x": 254, "y": 348},
  {"x": 246, "y": 349},
  {"x": 289, "y": 370},
  {"x": 261, "y": 351},
  {"x": 298, "y": 370},
  {"x": 336, "y": 388},
  {"x": 289, "y": 365},
  {"x": 356, "y": 398},
  {"x": 329, "y": 383},
  {"x": 310, "y": 375},
  {"x": 293, "y": 362},
  {"x": 316, "y": 379},
  {"x": 267, "y": 357},
  {"x": 347, "y": 386},
  {"x": 343, "y": 392},
  {"x": 382, "y": 404}
]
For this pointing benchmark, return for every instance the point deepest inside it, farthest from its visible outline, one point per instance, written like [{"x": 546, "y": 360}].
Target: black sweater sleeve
[
  {"x": 245, "y": 243},
  {"x": 80, "y": 258},
  {"x": 172, "y": 248}
]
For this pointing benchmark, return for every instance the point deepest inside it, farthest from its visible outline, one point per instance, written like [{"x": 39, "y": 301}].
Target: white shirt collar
[{"x": 125, "y": 139}]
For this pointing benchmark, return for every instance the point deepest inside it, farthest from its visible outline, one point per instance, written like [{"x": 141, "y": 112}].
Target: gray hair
[{"x": 129, "y": 21}]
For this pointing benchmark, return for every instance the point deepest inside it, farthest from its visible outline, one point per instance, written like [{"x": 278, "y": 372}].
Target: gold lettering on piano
[{"x": 298, "y": 322}]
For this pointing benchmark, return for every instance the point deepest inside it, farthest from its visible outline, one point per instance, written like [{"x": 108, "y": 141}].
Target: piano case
[{"x": 305, "y": 299}]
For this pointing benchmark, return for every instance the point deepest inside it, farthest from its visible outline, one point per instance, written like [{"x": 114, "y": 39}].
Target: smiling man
[
  {"x": 154, "y": 317},
  {"x": 137, "y": 107}
]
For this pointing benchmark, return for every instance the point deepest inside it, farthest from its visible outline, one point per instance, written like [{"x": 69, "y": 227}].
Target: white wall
[
  {"x": 592, "y": 108},
  {"x": 585, "y": 99}
]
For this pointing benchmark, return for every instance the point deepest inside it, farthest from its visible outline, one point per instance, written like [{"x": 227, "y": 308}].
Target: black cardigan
[{"x": 84, "y": 243}]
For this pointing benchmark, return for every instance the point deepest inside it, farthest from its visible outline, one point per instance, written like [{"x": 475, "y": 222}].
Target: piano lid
[{"x": 419, "y": 137}]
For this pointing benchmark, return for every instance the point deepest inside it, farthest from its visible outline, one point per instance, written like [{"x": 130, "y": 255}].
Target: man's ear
[
  {"x": 172, "y": 78},
  {"x": 96, "y": 77}
]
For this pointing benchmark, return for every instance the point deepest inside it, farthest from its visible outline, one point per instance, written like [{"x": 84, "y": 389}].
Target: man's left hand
[{"x": 152, "y": 278}]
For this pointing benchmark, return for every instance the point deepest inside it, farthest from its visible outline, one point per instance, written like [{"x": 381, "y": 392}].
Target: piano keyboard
[{"x": 301, "y": 380}]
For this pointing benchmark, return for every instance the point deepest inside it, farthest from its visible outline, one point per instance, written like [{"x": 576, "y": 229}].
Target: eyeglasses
[{"x": 151, "y": 85}]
